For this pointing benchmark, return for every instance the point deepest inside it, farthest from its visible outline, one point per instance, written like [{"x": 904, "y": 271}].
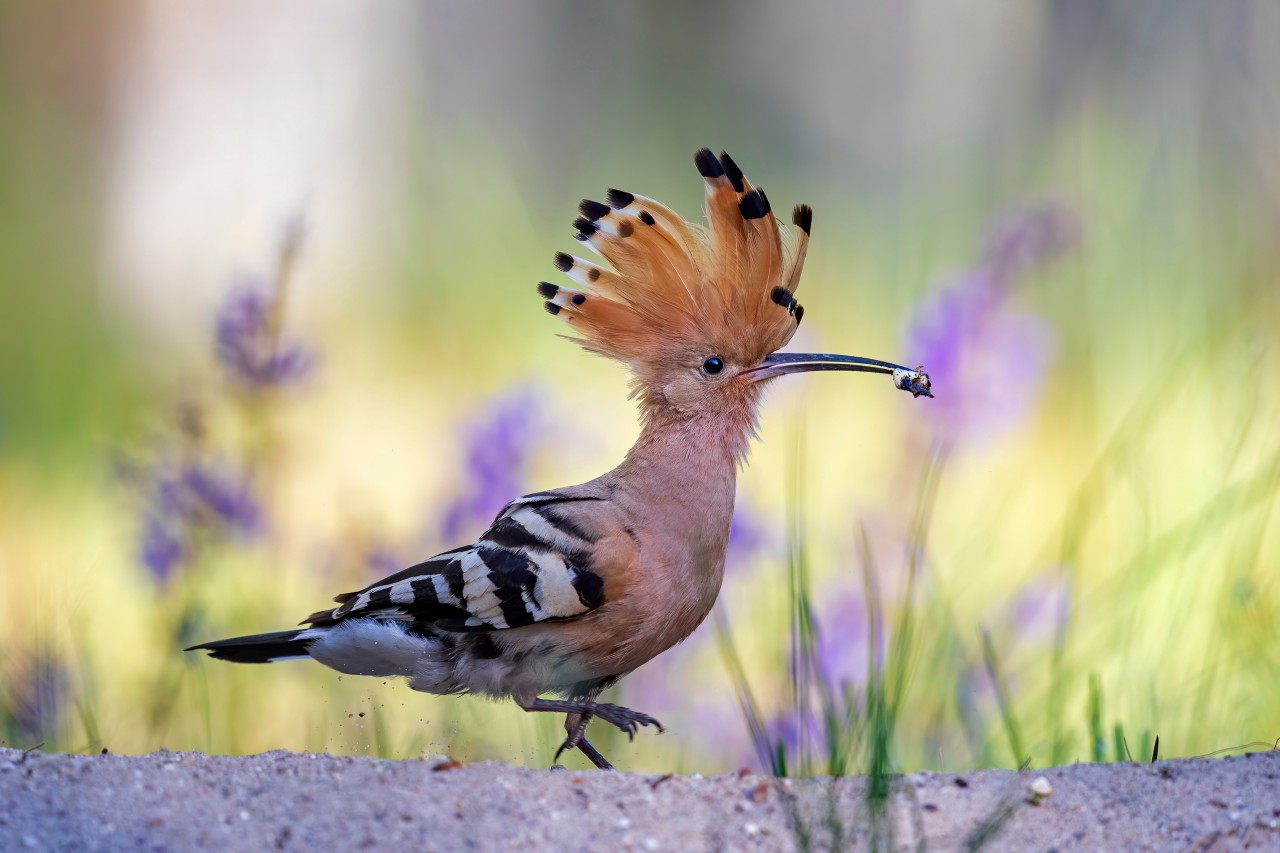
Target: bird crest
[{"x": 675, "y": 291}]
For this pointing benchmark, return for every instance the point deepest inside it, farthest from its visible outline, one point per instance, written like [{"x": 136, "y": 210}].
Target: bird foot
[
  {"x": 625, "y": 719},
  {"x": 592, "y": 753},
  {"x": 576, "y": 725},
  {"x": 579, "y": 714}
]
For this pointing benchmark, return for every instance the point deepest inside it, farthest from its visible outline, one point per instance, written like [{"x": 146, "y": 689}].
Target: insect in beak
[{"x": 781, "y": 363}]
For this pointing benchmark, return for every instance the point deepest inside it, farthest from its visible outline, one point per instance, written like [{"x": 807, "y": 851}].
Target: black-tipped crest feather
[
  {"x": 753, "y": 205},
  {"x": 732, "y": 171},
  {"x": 802, "y": 218},
  {"x": 618, "y": 199},
  {"x": 708, "y": 165},
  {"x": 593, "y": 210}
]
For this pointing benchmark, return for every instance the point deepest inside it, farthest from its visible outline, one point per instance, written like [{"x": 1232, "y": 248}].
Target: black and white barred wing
[{"x": 543, "y": 559}]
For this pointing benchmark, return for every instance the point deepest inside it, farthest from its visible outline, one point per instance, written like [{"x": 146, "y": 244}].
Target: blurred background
[{"x": 268, "y": 330}]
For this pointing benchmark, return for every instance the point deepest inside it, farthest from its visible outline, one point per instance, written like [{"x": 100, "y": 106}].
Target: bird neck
[
  {"x": 677, "y": 487},
  {"x": 684, "y": 466}
]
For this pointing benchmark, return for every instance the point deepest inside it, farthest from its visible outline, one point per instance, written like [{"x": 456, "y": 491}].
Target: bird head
[{"x": 698, "y": 313}]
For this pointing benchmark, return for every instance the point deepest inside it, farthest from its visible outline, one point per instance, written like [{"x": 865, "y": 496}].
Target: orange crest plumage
[{"x": 679, "y": 292}]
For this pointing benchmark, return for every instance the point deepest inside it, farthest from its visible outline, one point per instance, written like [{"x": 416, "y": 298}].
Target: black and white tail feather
[
  {"x": 263, "y": 648},
  {"x": 436, "y": 623}
]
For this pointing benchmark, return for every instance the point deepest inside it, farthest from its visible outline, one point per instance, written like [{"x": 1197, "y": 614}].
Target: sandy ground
[{"x": 288, "y": 801}]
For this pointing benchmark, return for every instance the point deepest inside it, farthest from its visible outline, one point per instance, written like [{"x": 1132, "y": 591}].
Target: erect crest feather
[{"x": 677, "y": 289}]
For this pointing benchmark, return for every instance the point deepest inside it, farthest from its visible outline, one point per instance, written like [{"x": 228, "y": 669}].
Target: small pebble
[
  {"x": 442, "y": 762},
  {"x": 1040, "y": 788}
]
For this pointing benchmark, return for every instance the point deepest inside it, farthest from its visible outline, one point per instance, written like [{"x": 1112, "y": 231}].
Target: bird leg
[
  {"x": 576, "y": 725},
  {"x": 579, "y": 713},
  {"x": 592, "y": 753},
  {"x": 625, "y": 719}
]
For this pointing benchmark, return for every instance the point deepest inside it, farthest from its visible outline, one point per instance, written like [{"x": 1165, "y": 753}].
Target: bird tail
[{"x": 262, "y": 648}]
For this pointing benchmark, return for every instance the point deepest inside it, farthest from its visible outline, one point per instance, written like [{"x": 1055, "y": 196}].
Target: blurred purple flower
[
  {"x": 986, "y": 358},
  {"x": 1022, "y": 240},
  {"x": 247, "y": 347},
  {"x": 680, "y": 688},
  {"x": 794, "y": 734},
  {"x": 37, "y": 697},
  {"x": 224, "y": 494},
  {"x": 497, "y": 448},
  {"x": 382, "y": 560},
  {"x": 748, "y": 536},
  {"x": 161, "y": 549},
  {"x": 833, "y": 677},
  {"x": 1038, "y": 611},
  {"x": 657, "y": 684},
  {"x": 187, "y": 501},
  {"x": 843, "y": 648},
  {"x": 975, "y": 702}
]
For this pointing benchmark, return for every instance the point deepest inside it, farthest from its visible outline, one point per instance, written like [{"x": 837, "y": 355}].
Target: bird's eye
[{"x": 712, "y": 366}]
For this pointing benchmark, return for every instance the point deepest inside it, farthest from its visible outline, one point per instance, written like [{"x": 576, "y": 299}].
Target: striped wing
[{"x": 534, "y": 564}]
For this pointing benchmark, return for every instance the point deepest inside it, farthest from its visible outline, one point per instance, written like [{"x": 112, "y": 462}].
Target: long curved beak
[{"x": 780, "y": 363}]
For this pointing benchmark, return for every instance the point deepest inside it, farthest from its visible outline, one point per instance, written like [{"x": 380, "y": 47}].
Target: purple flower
[
  {"x": 1022, "y": 240},
  {"x": 497, "y": 450},
  {"x": 249, "y": 348},
  {"x": 683, "y": 688},
  {"x": 748, "y": 535},
  {"x": 656, "y": 686},
  {"x": 794, "y": 732},
  {"x": 36, "y": 698},
  {"x": 987, "y": 358},
  {"x": 843, "y": 648},
  {"x": 382, "y": 560},
  {"x": 975, "y": 701},
  {"x": 830, "y": 679},
  {"x": 186, "y": 503},
  {"x": 225, "y": 495},
  {"x": 161, "y": 549},
  {"x": 1038, "y": 611}
]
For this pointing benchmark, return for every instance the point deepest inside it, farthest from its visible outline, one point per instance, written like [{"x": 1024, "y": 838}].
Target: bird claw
[
  {"x": 627, "y": 720},
  {"x": 579, "y": 713},
  {"x": 575, "y": 725}
]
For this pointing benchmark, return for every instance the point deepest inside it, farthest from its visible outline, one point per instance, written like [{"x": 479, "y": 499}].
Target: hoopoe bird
[{"x": 571, "y": 589}]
